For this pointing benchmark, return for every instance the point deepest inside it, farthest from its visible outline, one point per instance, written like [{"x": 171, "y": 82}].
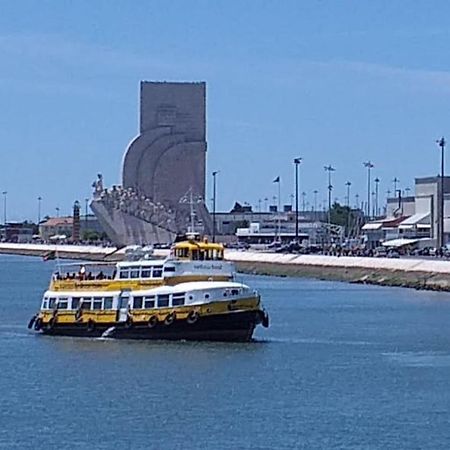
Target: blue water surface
[{"x": 341, "y": 366}]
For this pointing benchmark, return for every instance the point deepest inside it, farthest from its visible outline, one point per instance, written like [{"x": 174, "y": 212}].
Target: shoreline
[
  {"x": 433, "y": 275},
  {"x": 424, "y": 274}
]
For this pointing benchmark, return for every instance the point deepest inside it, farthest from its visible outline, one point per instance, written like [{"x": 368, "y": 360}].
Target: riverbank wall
[
  {"x": 430, "y": 274},
  {"x": 411, "y": 273}
]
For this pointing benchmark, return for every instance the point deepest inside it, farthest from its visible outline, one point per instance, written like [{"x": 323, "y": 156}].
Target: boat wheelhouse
[{"x": 198, "y": 310}]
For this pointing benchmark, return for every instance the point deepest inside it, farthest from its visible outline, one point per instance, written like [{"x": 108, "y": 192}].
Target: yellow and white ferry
[
  {"x": 197, "y": 310},
  {"x": 189, "y": 295}
]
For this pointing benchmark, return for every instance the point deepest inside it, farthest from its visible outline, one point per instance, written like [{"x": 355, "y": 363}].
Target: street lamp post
[
  {"x": 369, "y": 166},
  {"x": 395, "y": 181},
  {"x": 214, "y": 174},
  {"x": 297, "y": 162},
  {"x": 39, "y": 209},
  {"x": 86, "y": 204},
  {"x": 5, "y": 194},
  {"x": 329, "y": 169},
  {"x": 315, "y": 192},
  {"x": 377, "y": 181},
  {"x": 348, "y": 184},
  {"x": 441, "y": 142}
]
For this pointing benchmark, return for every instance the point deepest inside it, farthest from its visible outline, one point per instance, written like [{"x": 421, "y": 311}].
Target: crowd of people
[{"x": 129, "y": 201}]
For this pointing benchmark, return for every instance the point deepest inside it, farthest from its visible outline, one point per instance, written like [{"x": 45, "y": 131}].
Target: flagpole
[{"x": 279, "y": 209}]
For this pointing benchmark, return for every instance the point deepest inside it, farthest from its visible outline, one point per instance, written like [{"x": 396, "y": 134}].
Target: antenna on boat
[{"x": 191, "y": 199}]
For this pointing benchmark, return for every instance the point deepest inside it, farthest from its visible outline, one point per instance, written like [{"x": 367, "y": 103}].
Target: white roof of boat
[
  {"x": 182, "y": 287},
  {"x": 191, "y": 286},
  {"x": 81, "y": 293},
  {"x": 141, "y": 262}
]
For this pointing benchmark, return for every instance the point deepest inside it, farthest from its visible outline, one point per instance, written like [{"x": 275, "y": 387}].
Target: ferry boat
[{"x": 196, "y": 310}]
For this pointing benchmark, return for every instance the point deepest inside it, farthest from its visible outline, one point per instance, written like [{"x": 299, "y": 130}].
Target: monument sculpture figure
[{"x": 166, "y": 160}]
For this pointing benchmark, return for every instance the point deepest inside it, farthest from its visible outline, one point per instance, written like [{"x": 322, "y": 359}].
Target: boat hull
[{"x": 234, "y": 326}]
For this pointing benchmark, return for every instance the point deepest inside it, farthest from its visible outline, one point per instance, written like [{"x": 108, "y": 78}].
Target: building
[
  {"x": 413, "y": 217},
  {"x": 56, "y": 226},
  {"x": 21, "y": 232},
  {"x": 90, "y": 227},
  {"x": 163, "y": 171}
]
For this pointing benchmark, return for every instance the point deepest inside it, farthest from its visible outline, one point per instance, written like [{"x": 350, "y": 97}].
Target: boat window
[
  {"x": 107, "y": 302},
  {"x": 98, "y": 303},
  {"x": 157, "y": 272},
  {"x": 75, "y": 302},
  {"x": 51, "y": 303},
  {"x": 44, "y": 303},
  {"x": 178, "y": 299},
  {"x": 149, "y": 302},
  {"x": 86, "y": 303},
  {"x": 163, "y": 300},
  {"x": 134, "y": 273},
  {"x": 146, "y": 272},
  {"x": 182, "y": 252},
  {"x": 124, "y": 273},
  {"x": 195, "y": 255},
  {"x": 169, "y": 269},
  {"x": 191, "y": 297},
  {"x": 206, "y": 295},
  {"x": 234, "y": 291},
  {"x": 137, "y": 302},
  {"x": 63, "y": 303}
]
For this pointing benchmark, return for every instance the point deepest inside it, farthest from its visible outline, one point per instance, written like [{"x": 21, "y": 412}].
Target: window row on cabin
[
  {"x": 100, "y": 303},
  {"x": 199, "y": 254},
  {"x": 126, "y": 273}
]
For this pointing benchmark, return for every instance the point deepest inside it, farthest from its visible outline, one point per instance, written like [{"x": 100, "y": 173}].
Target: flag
[{"x": 277, "y": 180}]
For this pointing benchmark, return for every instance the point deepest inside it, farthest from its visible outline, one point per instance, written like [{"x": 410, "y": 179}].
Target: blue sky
[{"x": 335, "y": 82}]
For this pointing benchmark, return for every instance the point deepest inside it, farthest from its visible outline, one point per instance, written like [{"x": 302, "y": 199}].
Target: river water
[{"x": 342, "y": 366}]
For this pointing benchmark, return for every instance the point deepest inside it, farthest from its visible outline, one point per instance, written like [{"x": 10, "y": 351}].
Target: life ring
[
  {"x": 152, "y": 322},
  {"x": 31, "y": 322},
  {"x": 192, "y": 317},
  {"x": 91, "y": 325},
  {"x": 170, "y": 319},
  {"x": 38, "y": 324}
]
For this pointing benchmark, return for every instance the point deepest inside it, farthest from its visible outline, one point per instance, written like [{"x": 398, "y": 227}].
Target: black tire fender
[
  {"x": 91, "y": 325},
  {"x": 38, "y": 324},
  {"x": 152, "y": 322},
  {"x": 192, "y": 317},
  {"x": 31, "y": 322},
  {"x": 170, "y": 319}
]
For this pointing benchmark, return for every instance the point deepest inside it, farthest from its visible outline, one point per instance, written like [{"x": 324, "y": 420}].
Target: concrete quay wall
[
  {"x": 78, "y": 252},
  {"x": 412, "y": 273}
]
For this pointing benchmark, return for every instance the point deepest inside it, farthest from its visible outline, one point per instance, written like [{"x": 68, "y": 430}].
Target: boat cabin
[{"x": 197, "y": 251}]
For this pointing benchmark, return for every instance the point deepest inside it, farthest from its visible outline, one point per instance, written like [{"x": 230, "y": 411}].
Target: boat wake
[
  {"x": 107, "y": 333},
  {"x": 419, "y": 359},
  {"x": 312, "y": 341}
]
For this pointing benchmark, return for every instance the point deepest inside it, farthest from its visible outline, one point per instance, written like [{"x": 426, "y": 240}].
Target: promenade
[{"x": 432, "y": 274}]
